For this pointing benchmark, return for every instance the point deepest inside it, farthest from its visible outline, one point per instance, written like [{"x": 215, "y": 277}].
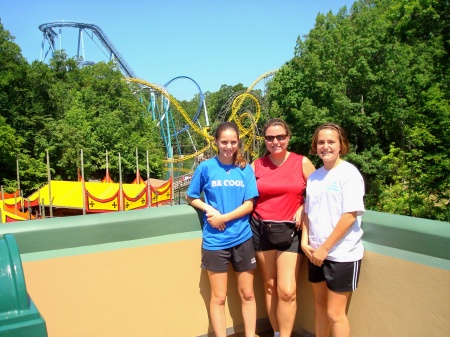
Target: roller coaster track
[
  {"x": 250, "y": 132},
  {"x": 263, "y": 76},
  {"x": 235, "y": 107},
  {"x": 201, "y": 101},
  {"x": 248, "y": 135},
  {"x": 50, "y": 35},
  {"x": 203, "y": 133},
  {"x": 91, "y": 30},
  {"x": 236, "y": 102},
  {"x": 250, "y": 88}
]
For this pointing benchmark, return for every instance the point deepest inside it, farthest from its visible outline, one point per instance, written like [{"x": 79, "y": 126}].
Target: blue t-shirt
[{"x": 224, "y": 187}]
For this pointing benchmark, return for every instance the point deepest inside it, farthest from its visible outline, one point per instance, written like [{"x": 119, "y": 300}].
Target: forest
[{"x": 380, "y": 69}]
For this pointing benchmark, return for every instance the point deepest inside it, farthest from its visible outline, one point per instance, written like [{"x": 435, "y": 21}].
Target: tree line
[{"x": 380, "y": 69}]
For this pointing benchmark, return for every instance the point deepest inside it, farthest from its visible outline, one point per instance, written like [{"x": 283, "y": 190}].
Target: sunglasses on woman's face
[{"x": 278, "y": 137}]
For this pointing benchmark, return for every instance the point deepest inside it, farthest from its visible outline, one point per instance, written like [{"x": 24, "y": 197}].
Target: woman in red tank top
[{"x": 281, "y": 179}]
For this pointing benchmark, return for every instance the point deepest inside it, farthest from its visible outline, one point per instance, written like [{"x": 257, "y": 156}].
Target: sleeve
[
  {"x": 353, "y": 193},
  {"x": 195, "y": 188},
  {"x": 251, "y": 190},
  {"x": 306, "y": 205}
]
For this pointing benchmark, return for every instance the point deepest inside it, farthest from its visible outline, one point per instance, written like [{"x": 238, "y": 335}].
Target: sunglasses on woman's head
[{"x": 272, "y": 138}]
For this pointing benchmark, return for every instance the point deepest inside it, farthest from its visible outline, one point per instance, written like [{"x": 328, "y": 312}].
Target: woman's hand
[
  {"x": 298, "y": 217},
  {"x": 319, "y": 256},
  {"x": 215, "y": 219},
  {"x": 308, "y": 250}
]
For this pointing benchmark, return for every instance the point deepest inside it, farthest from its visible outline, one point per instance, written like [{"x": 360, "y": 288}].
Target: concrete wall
[
  {"x": 404, "y": 288},
  {"x": 138, "y": 274}
]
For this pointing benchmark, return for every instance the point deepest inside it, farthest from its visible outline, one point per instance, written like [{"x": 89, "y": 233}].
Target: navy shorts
[
  {"x": 242, "y": 258},
  {"x": 339, "y": 276},
  {"x": 262, "y": 244}
]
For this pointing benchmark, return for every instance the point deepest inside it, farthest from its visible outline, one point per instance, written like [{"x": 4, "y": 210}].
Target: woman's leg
[
  {"x": 218, "y": 283},
  {"x": 322, "y": 323},
  {"x": 267, "y": 264},
  {"x": 288, "y": 266},
  {"x": 337, "y": 306},
  {"x": 248, "y": 303}
]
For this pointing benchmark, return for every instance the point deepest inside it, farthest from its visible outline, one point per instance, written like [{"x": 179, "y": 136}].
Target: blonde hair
[{"x": 238, "y": 158}]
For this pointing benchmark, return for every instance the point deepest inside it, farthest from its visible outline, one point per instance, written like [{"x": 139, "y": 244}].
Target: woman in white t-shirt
[{"x": 331, "y": 237}]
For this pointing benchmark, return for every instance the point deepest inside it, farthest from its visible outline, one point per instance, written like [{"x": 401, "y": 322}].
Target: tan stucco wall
[
  {"x": 397, "y": 297},
  {"x": 155, "y": 290},
  {"x": 159, "y": 290}
]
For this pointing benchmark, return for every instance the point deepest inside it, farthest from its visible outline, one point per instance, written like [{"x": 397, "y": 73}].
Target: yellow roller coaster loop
[
  {"x": 265, "y": 75},
  {"x": 203, "y": 133},
  {"x": 249, "y": 141},
  {"x": 247, "y": 135},
  {"x": 236, "y": 106}
]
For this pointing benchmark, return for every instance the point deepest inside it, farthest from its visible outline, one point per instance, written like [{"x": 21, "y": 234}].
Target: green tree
[
  {"x": 97, "y": 113},
  {"x": 380, "y": 71},
  {"x": 16, "y": 126}
]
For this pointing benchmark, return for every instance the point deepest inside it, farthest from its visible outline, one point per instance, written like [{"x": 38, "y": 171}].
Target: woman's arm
[
  {"x": 208, "y": 209},
  {"x": 217, "y": 219},
  {"x": 214, "y": 217},
  {"x": 198, "y": 203},
  {"x": 345, "y": 222},
  {"x": 298, "y": 217},
  {"x": 308, "y": 167},
  {"x": 307, "y": 249}
]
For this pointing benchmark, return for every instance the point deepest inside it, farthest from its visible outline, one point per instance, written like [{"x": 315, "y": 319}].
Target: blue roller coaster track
[{"x": 90, "y": 29}]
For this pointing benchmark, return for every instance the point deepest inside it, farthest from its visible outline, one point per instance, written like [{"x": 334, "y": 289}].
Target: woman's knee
[
  {"x": 287, "y": 295},
  {"x": 247, "y": 295},
  {"x": 271, "y": 287},
  {"x": 336, "y": 316},
  {"x": 321, "y": 306},
  {"x": 219, "y": 299}
]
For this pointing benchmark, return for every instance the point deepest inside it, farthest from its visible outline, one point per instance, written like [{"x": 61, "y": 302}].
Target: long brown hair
[{"x": 238, "y": 158}]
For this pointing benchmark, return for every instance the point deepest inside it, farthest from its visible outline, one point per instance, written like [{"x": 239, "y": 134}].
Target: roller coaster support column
[{"x": 206, "y": 113}]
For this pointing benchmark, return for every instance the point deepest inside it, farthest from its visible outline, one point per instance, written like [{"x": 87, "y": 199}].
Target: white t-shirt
[{"x": 329, "y": 194}]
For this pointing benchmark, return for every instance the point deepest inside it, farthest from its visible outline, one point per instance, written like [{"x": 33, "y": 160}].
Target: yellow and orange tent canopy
[
  {"x": 11, "y": 210},
  {"x": 69, "y": 194}
]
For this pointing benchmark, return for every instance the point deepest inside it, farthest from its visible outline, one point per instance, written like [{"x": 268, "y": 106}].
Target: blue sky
[{"x": 213, "y": 42}]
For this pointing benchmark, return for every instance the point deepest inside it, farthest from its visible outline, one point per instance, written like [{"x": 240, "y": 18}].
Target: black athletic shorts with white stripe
[
  {"x": 242, "y": 258},
  {"x": 339, "y": 276}
]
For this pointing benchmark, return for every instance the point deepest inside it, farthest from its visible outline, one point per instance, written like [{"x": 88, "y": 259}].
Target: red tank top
[{"x": 281, "y": 188}]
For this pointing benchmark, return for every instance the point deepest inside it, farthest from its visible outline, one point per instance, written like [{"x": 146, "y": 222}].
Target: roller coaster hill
[{"x": 184, "y": 130}]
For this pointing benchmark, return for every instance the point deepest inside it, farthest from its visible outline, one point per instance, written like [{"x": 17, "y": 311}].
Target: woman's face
[
  {"x": 328, "y": 146},
  {"x": 227, "y": 143},
  {"x": 276, "y": 139}
]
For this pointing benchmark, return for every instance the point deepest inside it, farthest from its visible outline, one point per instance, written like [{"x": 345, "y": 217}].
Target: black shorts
[
  {"x": 339, "y": 276},
  {"x": 242, "y": 258},
  {"x": 262, "y": 244}
]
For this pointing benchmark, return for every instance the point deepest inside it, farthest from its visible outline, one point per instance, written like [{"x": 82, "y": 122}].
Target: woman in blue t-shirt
[{"x": 228, "y": 186}]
